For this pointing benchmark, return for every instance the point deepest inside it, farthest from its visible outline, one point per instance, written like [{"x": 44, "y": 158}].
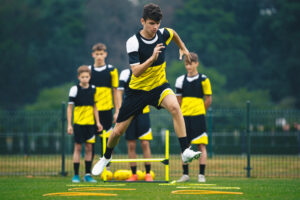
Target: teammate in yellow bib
[
  {"x": 82, "y": 97},
  {"x": 193, "y": 91}
]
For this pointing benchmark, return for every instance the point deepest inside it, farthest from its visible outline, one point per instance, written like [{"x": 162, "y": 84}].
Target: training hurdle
[{"x": 164, "y": 160}]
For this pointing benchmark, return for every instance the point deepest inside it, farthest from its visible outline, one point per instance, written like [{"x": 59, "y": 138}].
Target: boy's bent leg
[
  {"x": 171, "y": 104},
  {"x": 113, "y": 140},
  {"x": 117, "y": 132}
]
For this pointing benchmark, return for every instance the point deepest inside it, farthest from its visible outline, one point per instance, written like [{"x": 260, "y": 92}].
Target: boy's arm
[
  {"x": 139, "y": 69},
  {"x": 97, "y": 119},
  {"x": 120, "y": 95},
  {"x": 116, "y": 103},
  {"x": 207, "y": 101},
  {"x": 182, "y": 48},
  {"x": 69, "y": 118}
]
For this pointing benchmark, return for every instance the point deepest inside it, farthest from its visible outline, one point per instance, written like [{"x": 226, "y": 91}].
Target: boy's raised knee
[{"x": 174, "y": 109}]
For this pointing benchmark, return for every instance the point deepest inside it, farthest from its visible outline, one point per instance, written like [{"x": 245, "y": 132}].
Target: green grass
[{"x": 33, "y": 188}]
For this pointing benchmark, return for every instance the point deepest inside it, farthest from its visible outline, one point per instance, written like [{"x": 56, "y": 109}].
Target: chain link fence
[{"x": 253, "y": 143}]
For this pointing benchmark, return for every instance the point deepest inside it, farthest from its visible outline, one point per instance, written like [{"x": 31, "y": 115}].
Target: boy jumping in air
[{"x": 148, "y": 84}]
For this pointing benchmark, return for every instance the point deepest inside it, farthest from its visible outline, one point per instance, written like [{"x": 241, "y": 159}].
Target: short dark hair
[
  {"x": 99, "y": 47},
  {"x": 83, "y": 68},
  {"x": 152, "y": 11},
  {"x": 194, "y": 57}
]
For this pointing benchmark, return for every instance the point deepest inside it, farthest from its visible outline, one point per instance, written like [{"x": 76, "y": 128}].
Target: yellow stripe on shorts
[
  {"x": 92, "y": 140},
  {"x": 164, "y": 94},
  {"x": 202, "y": 139},
  {"x": 147, "y": 135}
]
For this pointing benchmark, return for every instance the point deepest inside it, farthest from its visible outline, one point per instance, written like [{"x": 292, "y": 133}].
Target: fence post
[
  {"x": 210, "y": 132},
  {"x": 248, "y": 138},
  {"x": 63, "y": 121}
]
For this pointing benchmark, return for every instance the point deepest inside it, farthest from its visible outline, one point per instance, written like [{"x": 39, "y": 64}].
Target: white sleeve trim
[
  {"x": 179, "y": 82},
  {"x": 134, "y": 64},
  {"x": 124, "y": 76},
  {"x": 73, "y": 91},
  {"x": 132, "y": 44},
  {"x": 120, "y": 88},
  {"x": 162, "y": 30}
]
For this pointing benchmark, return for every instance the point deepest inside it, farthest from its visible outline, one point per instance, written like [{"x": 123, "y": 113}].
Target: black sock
[
  {"x": 88, "y": 166},
  {"x": 185, "y": 169},
  {"x": 76, "y": 168},
  {"x": 108, "y": 152},
  {"x": 133, "y": 169},
  {"x": 202, "y": 169},
  {"x": 183, "y": 143},
  {"x": 148, "y": 168}
]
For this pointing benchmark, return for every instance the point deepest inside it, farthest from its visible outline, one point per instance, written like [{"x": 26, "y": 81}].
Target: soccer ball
[
  {"x": 108, "y": 174},
  {"x": 118, "y": 175},
  {"x": 141, "y": 175},
  {"x": 122, "y": 174},
  {"x": 126, "y": 174}
]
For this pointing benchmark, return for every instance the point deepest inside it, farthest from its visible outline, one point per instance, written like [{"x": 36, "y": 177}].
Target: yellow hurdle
[
  {"x": 164, "y": 160},
  {"x": 104, "y": 148}
]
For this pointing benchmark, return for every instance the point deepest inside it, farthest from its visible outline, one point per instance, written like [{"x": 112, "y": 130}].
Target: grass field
[{"x": 33, "y": 188}]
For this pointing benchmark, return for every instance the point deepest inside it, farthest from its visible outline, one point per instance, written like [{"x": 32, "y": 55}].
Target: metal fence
[{"x": 242, "y": 142}]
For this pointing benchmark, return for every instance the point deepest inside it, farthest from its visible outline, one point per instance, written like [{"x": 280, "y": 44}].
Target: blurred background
[{"x": 248, "y": 49}]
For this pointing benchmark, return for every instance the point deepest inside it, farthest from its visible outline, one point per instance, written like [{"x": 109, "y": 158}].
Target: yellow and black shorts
[
  {"x": 139, "y": 128},
  {"x": 196, "y": 129},
  {"x": 136, "y": 100},
  {"x": 84, "y": 133}
]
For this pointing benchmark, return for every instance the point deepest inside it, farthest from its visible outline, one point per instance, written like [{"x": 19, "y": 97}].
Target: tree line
[{"x": 247, "y": 47}]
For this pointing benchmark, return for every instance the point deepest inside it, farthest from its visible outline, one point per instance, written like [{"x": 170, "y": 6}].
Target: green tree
[
  {"x": 42, "y": 43},
  {"x": 50, "y": 98}
]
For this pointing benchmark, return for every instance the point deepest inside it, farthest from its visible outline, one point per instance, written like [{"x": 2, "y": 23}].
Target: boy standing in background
[
  {"x": 105, "y": 78},
  {"x": 85, "y": 115},
  {"x": 139, "y": 129},
  {"x": 193, "y": 92}
]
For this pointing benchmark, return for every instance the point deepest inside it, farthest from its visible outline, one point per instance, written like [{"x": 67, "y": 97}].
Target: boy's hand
[
  {"x": 184, "y": 52},
  {"x": 157, "y": 50},
  {"x": 70, "y": 130},
  {"x": 99, "y": 126}
]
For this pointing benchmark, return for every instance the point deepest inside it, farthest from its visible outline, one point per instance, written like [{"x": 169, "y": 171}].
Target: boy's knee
[
  {"x": 174, "y": 109},
  {"x": 131, "y": 147},
  {"x": 118, "y": 132},
  {"x": 144, "y": 143},
  {"x": 78, "y": 148}
]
